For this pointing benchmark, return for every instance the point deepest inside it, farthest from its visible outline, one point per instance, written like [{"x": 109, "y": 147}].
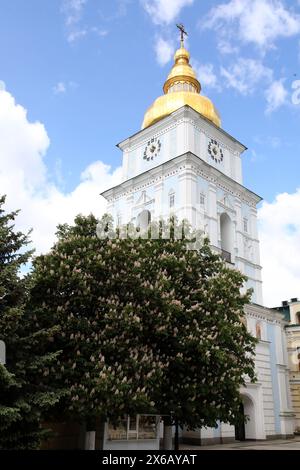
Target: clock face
[
  {"x": 215, "y": 151},
  {"x": 152, "y": 149}
]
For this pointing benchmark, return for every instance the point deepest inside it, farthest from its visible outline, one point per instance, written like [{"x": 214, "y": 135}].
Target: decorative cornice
[
  {"x": 171, "y": 121},
  {"x": 263, "y": 313},
  {"x": 247, "y": 261},
  {"x": 178, "y": 164}
]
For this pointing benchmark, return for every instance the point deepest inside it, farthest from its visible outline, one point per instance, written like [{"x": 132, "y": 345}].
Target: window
[
  {"x": 147, "y": 427},
  {"x": 133, "y": 428},
  {"x": 258, "y": 330},
  {"x": 119, "y": 220},
  {"x": 119, "y": 432},
  {"x": 226, "y": 237},
  {"x": 132, "y": 432},
  {"x": 202, "y": 199},
  {"x": 144, "y": 220},
  {"x": 245, "y": 222},
  {"x": 172, "y": 200}
]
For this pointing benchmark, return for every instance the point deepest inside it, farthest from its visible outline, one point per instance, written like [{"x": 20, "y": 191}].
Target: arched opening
[
  {"x": 240, "y": 431},
  {"x": 246, "y": 429},
  {"x": 143, "y": 220},
  {"x": 298, "y": 318},
  {"x": 249, "y": 410},
  {"x": 226, "y": 237}
]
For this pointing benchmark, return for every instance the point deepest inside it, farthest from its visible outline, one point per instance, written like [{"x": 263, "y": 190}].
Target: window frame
[
  {"x": 202, "y": 199},
  {"x": 134, "y": 434},
  {"x": 171, "y": 200}
]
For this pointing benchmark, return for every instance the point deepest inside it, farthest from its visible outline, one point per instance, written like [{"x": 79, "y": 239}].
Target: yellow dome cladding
[
  {"x": 182, "y": 71},
  {"x": 181, "y": 88},
  {"x": 167, "y": 104}
]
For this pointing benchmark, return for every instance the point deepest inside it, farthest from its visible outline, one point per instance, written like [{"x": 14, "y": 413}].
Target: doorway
[
  {"x": 246, "y": 429},
  {"x": 240, "y": 427}
]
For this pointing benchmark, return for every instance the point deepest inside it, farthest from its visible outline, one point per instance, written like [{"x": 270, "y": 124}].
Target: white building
[
  {"x": 182, "y": 162},
  {"x": 291, "y": 311}
]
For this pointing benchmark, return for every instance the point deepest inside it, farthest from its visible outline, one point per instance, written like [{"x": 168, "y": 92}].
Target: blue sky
[{"x": 85, "y": 72}]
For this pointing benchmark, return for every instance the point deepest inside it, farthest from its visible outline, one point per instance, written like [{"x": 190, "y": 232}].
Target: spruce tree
[{"x": 22, "y": 400}]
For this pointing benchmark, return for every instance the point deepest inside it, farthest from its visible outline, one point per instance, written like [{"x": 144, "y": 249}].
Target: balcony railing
[{"x": 226, "y": 256}]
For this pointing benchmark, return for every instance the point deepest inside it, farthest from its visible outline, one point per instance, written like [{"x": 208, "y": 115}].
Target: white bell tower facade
[{"x": 183, "y": 163}]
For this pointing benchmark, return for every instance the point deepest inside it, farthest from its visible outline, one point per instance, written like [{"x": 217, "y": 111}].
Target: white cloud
[
  {"x": 260, "y": 22},
  {"x": 59, "y": 88},
  {"x": 23, "y": 177},
  {"x": 62, "y": 87},
  {"x": 245, "y": 74},
  {"x": 226, "y": 47},
  {"x": 276, "y": 96},
  {"x": 164, "y": 50},
  {"x": 164, "y": 12},
  {"x": 73, "y": 10},
  {"x": 280, "y": 241},
  {"x": 99, "y": 32},
  {"x": 273, "y": 141},
  {"x": 74, "y": 35},
  {"x": 206, "y": 75}
]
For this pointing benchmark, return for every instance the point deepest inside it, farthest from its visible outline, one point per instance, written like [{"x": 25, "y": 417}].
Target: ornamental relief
[
  {"x": 200, "y": 172},
  {"x": 139, "y": 145},
  {"x": 210, "y": 136},
  {"x": 248, "y": 249}
]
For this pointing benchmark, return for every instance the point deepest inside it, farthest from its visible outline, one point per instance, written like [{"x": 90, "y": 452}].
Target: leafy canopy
[{"x": 140, "y": 326}]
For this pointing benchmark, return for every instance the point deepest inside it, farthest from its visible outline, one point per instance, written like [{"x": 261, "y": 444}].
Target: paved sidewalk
[{"x": 278, "y": 444}]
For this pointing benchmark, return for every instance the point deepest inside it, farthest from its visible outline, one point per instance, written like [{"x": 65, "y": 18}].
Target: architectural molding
[{"x": 173, "y": 167}]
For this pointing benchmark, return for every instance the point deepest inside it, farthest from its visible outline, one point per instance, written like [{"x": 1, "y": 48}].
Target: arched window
[
  {"x": 143, "y": 220},
  {"x": 171, "y": 198},
  {"x": 226, "y": 236},
  {"x": 258, "y": 330}
]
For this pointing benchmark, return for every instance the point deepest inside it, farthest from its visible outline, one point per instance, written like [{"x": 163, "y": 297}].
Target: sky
[{"x": 76, "y": 77}]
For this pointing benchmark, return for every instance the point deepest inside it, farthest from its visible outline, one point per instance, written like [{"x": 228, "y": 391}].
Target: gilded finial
[
  {"x": 182, "y": 33},
  {"x": 182, "y": 88}
]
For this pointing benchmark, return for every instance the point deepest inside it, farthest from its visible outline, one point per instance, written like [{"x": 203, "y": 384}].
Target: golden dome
[{"x": 181, "y": 88}]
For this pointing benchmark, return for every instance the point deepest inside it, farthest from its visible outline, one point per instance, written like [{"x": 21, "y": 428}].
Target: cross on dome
[{"x": 183, "y": 33}]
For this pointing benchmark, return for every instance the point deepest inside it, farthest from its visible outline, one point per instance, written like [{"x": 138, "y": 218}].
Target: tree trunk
[
  {"x": 167, "y": 441},
  {"x": 176, "y": 446},
  {"x": 101, "y": 433},
  {"x": 81, "y": 437},
  {"x": 90, "y": 435},
  {"x": 90, "y": 440}
]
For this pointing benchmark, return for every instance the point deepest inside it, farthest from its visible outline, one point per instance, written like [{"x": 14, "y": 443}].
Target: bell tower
[{"x": 182, "y": 162}]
